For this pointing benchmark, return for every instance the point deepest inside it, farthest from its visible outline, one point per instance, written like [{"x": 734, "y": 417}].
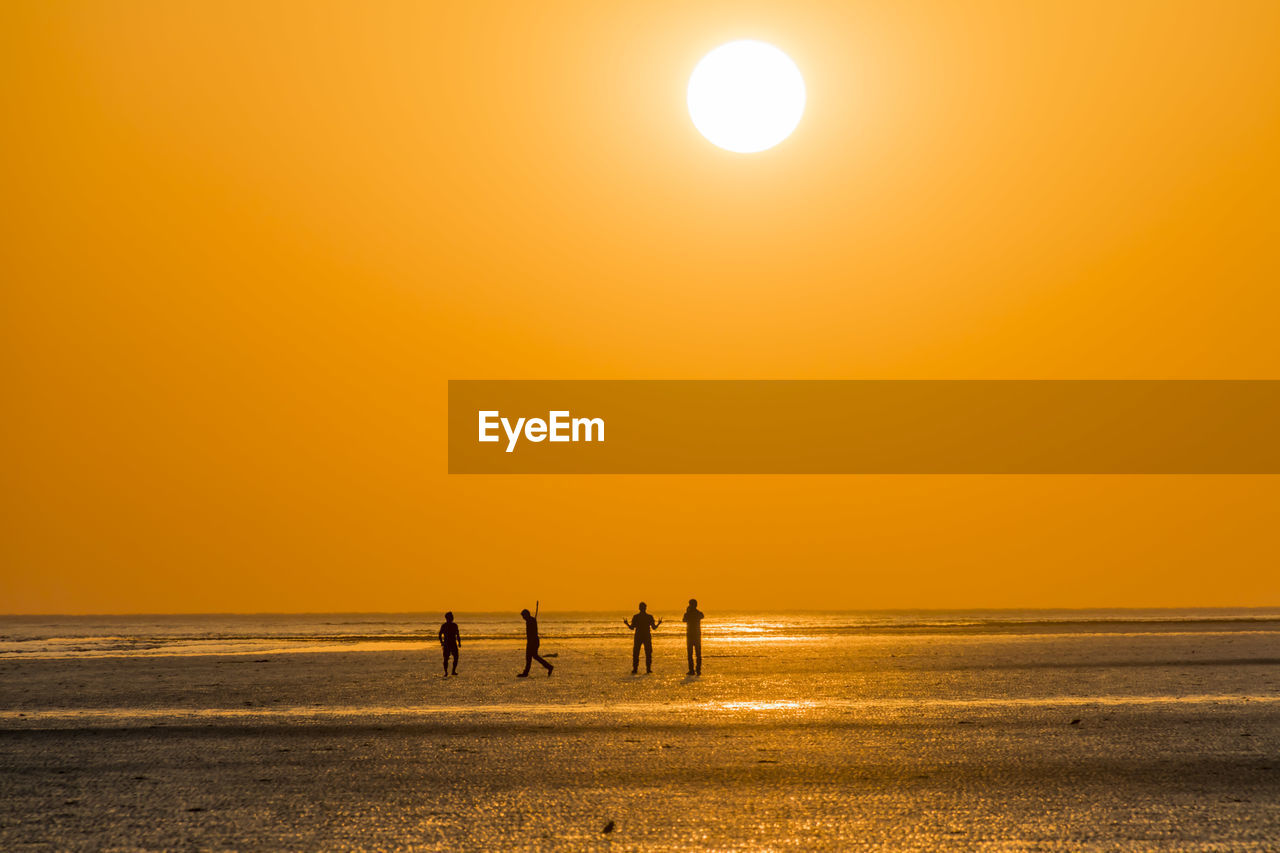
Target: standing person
[
  {"x": 642, "y": 623},
  {"x": 450, "y": 641},
  {"x": 531, "y": 642},
  {"x": 693, "y": 635}
]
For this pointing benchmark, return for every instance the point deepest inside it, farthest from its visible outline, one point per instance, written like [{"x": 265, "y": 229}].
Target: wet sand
[{"x": 1141, "y": 740}]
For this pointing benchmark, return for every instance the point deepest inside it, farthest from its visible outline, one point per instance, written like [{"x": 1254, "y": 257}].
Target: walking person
[
  {"x": 693, "y": 635},
  {"x": 450, "y": 642},
  {"x": 531, "y": 642},
  {"x": 642, "y": 623}
]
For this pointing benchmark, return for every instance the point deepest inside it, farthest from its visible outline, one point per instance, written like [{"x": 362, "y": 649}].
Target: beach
[{"x": 832, "y": 732}]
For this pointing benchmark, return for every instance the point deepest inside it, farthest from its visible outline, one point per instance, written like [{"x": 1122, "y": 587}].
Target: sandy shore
[{"x": 1143, "y": 740}]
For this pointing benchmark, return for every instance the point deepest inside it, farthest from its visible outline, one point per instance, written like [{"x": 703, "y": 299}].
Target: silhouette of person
[
  {"x": 642, "y": 623},
  {"x": 450, "y": 641},
  {"x": 531, "y": 642},
  {"x": 693, "y": 635}
]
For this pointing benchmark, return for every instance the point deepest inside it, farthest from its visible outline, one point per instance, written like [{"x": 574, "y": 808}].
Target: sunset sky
[{"x": 246, "y": 244}]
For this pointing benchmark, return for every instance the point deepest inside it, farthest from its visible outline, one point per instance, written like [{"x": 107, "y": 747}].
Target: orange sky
[{"x": 246, "y": 244}]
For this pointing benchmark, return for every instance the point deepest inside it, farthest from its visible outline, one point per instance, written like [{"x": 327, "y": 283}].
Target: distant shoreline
[{"x": 175, "y": 635}]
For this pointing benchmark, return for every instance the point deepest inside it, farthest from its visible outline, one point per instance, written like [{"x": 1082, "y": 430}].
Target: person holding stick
[{"x": 531, "y": 642}]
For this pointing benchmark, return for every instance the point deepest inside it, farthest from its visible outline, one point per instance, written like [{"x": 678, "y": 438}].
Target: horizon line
[{"x": 1004, "y": 609}]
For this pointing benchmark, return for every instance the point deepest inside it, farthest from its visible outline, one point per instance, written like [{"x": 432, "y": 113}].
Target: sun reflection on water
[{"x": 772, "y": 705}]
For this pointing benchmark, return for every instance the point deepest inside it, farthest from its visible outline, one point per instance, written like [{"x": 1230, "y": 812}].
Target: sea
[{"x": 150, "y": 635}]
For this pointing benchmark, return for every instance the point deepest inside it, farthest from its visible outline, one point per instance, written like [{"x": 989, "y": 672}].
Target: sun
[{"x": 746, "y": 96}]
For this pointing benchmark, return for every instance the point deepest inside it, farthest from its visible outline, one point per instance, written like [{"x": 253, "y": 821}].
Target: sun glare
[{"x": 746, "y": 96}]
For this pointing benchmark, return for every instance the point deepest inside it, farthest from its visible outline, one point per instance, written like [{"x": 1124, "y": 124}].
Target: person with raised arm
[
  {"x": 693, "y": 635},
  {"x": 531, "y": 642},
  {"x": 450, "y": 641},
  {"x": 642, "y": 623}
]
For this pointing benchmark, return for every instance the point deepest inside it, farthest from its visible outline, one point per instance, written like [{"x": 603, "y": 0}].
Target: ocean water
[{"x": 52, "y": 637}]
